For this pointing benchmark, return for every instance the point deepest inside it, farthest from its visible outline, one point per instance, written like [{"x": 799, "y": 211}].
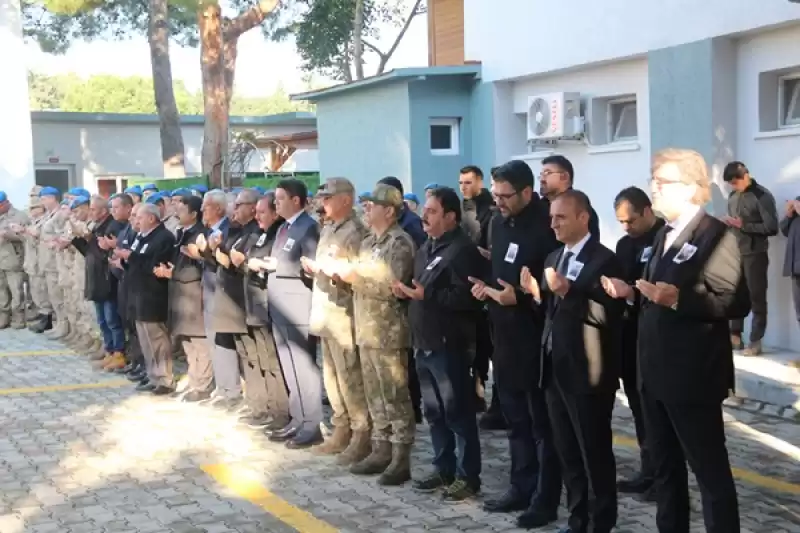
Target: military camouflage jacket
[
  {"x": 11, "y": 245},
  {"x": 332, "y": 301},
  {"x": 31, "y": 264},
  {"x": 52, "y": 228},
  {"x": 380, "y": 317}
]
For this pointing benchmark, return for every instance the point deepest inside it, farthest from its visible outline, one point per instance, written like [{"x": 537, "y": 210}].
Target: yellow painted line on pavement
[
  {"x": 61, "y": 388},
  {"x": 65, "y": 351},
  {"x": 245, "y": 484},
  {"x": 767, "y": 482}
]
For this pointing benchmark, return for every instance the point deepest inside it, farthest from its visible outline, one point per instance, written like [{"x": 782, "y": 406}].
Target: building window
[
  {"x": 789, "y": 100},
  {"x": 444, "y": 136},
  {"x": 621, "y": 115}
]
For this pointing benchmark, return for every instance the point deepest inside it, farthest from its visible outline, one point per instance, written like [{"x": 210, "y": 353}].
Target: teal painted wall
[
  {"x": 483, "y": 145},
  {"x": 364, "y": 135},
  {"x": 441, "y": 97}
]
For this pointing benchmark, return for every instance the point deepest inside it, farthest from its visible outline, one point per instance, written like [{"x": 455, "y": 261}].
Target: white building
[
  {"x": 720, "y": 76},
  {"x": 100, "y": 151}
]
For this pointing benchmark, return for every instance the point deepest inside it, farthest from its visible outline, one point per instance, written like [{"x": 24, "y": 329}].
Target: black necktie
[{"x": 563, "y": 268}]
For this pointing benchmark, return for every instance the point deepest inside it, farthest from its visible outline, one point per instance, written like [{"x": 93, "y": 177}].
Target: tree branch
[
  {"x": 373, "y": 48},
  {"x": 249, "y": 19},
  {"x": 388, "y": 55}
]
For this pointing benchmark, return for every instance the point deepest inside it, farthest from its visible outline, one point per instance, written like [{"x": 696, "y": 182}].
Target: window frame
[
  {"x": 784, "y": 107},
  {"x": 455, "y": 135},
  {"x": 612, "y": 129}
]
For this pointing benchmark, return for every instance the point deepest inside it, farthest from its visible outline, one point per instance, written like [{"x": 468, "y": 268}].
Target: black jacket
[
  {"x": 584, "y": 326},
  {"x": 101, "y": 285},
  {"x": 258, "y": 244},
  {"x": 685, "y": 354},
  {"x": 755, "y": 206},
  {"x": 125, "y": 302},
  {"x": 150, "y": 294},
  {"x": 518, "y": 328},
  {"x": 229, "y": 305},
  {"x": 445, "y": 319},
  {"x": 186, "y": 288},
  {"x": 633, "y": 254}
]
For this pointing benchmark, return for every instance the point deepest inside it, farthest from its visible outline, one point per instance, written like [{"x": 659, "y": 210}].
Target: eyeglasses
[
  {"x": 504, "y": 197},
  {"x": 549, "y": 172}
]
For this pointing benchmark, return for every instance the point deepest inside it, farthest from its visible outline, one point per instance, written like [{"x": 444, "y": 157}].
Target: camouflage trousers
[
  {"x": 344, "y": 385},
  {"x": 37, "y": 288},
  {"x": 386, "y": 386},
  {"x": 55, "y": 294},
  {"x": 12, "y": 292}
]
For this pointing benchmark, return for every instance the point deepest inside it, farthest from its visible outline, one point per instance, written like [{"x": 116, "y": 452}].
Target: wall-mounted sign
[{"x": 52, "y": 160}]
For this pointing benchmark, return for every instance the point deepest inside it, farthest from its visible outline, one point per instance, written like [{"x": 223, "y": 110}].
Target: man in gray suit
[{"x": 290, "y": 309}]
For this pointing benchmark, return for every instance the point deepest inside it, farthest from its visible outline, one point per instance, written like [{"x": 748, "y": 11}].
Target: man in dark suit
[
  {"x": 580, "y": 361},
  {"x": 152, "y": 247},
  {"x": 289, "y": 307},
  {"x": 691, "y": 287},
  {"x": 635, "y": 213},
  {"x": 521, "y": 236},
  {"x": 557, "y": 176}
]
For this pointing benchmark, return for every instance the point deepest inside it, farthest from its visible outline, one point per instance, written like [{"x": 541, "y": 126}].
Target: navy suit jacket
[{"x": 289, "y": 286}]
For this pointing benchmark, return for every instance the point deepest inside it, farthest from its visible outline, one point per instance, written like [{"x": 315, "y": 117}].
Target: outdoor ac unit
[{"x": 554, "y": 116}]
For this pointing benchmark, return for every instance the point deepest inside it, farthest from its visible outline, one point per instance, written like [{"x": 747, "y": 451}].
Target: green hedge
[{"x": 252, "y": 179}]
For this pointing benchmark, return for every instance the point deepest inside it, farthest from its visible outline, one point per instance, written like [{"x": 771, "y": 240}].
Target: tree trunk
[
  {"x": 218, "y": 50},
  {"x": 172, "y": 149},
  {"x": 215, "y": 101},
  {"x": 358, "y": 43}
]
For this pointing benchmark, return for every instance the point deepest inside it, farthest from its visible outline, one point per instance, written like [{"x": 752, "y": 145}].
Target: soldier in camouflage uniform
[
  {"x": 50, "y": 228},
  {"x": 332, "y": 321},
  {"x": 383, "y": 336},
  {"x": 87, "y": 334},
  {"x": 65, "y": 262},
  {"x": 12, "y": 276},
  {"x": 37, "y": 286}
]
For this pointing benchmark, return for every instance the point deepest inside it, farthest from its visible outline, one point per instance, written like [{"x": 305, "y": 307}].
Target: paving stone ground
[{"x": 111, "y": 460}]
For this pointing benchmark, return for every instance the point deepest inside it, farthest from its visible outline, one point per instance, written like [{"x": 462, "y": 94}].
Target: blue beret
[
  {"x": 199, "y": 187},
  {"x": 134, "y": 190},
  {"x": 411, "y": 197},
  {"x": 236, "y": 190},
  {"x": 78, "y": 191},
  {"x": 365, "y": 194},
  {"x": 166, "y": 194},
  {"x": 155, "y": 198},
  {"x": 79, "y": 201},
  {"x": 433, "y": 185},
  {"x": 181, "y": 191},
  {"x": 150, "y": 187},
  {"x": 49, "y": 191},
  {"x": 3, "y": 196},
  {"x": 260, "y": 190}
]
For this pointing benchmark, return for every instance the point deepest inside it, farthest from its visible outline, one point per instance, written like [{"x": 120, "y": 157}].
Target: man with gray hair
[
  {"x": 153, "y": 246},
  {"x": 100, "y": 287}
]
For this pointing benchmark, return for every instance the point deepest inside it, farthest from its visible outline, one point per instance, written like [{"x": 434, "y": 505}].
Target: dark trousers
[
  {"x": 630, "y": 385},
  {"x": 133, "y": 350},
  {"x": 448, "y": 397},
  {"x": 110, "y": 325},
  {"x": 413, "y": 384},
  {"x": 483, "y": 349},
  {"x": 695, "y": 434},
  {"x": 297, "y": 353},
  {"x": 265, "y": 386},
  {"x": 796, "y": 296},
  {"x": 582, "y": 434},
  {"x": 755, "y": 268},
  {"x": 535, "y": 472}
]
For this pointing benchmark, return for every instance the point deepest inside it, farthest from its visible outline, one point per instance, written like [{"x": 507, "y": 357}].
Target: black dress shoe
[
  {"x": 638, "y": 484},
  {"x": 284, "y": 434},
  {"x": 509, "y": 502},
  {"x": 195, "y": 396},
  {"x": 533, "y": 518},
  {"x": 162, "y": 390},
  {"x": 145, "y": 386},
  {"x": 305, "y": 439},
  {"x": 275, "y": 425}
]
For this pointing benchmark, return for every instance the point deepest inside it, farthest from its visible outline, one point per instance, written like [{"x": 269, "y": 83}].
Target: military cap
[
  {"x": 79, "y": 201},
  {"x": 385, "y": 195},
  {"x": 411, "y": 197},
  {"x": 49, "y": 191},
  {"x": 149, "y": 187},
  {"x": 78, "y": 191},
  {"x": 432, "y": 185},
  {"x": 3, "y": 196},
  {"x": 334, "y": 186},
  {"x": 135, "y": 189}
]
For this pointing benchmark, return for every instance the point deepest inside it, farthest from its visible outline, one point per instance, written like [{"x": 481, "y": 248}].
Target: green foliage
[
  {"x": 323, "y": 29},
  {"x": 113, "y": 94},
  {"x": 268, "y": 180}
]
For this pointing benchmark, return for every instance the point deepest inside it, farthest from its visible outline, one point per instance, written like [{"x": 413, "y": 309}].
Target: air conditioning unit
[{"x": 554, "y": 116}]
